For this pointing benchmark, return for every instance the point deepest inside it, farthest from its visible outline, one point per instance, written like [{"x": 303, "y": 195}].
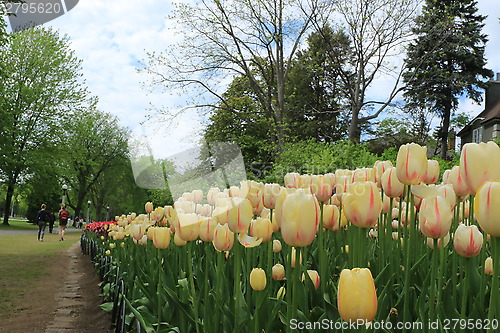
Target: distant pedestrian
[
  {"x": 42, "y": 218},
  {"x": 51, "y": 222},
  {"x": 63, "y": 220}
]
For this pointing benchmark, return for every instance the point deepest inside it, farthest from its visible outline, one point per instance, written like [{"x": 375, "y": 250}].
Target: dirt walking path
[{"x": 66, "y": 300}]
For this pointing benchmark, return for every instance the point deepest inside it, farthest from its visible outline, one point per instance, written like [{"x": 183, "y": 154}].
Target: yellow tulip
[
  {"x": 108, "y": 252},
  {"x": 148, "y": 207},
  {"x": 281, "y": 292},
  {"x": 252, "y": 191},
  {"x": 161, "y": 237},
  {"x": 411, "y": 163},
  {"x": 487, "y": 207},
  {"x": 468, "y": 240},
  {"x": 258, "y": 279},
  {"x": 261, "y": 228},
  {"x": 322, "y": 187},
  {"x": 278, "y": 272},
  {"x": 379, "y": 168},
  {"x": 357, "y": 297},
  {"x": 435, "y": 217},
  {"x": 270, "y": 193},
  {"x": 363, "y": 175},
  {"x": 488, "y": 266},
  {"x": 432, "y": 173},
  {"x": 223, "y": 238},
  {"x": 178, "y": 240},
  {"x": 292, "y": 180},
  {"x": 136, "y": 231},
  {"x": 314, "y": 276},
  {"x": 300, "y": 219},
  {"x": 479, "y": 163},
  {"x": 188, "y": 226},
  {"x": 239, "y": 214},
  {"x": 276, "y": 246},
  {"x": 331, "y": 216},
  {"x": 207, "y": 229},
  {"x": 362, "y": 204}
]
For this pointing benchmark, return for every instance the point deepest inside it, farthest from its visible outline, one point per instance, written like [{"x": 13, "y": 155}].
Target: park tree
[
  {"x": 446, "y": 60},
  {"x": 94, "y": 143},
  {"x": 377, "y": 31},
  {"x": 40, "y": 88},
  {"x": 226, "y": 39}
]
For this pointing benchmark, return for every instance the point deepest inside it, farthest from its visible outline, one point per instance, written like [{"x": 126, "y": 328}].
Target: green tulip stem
[
  {"x": 237, "y": 280},
  {"x": 208, "y": 261},
  {"x": 321, "y": 252},
  {"x": 295, "y": 282},
  {"x": 468, "y": 266},
  {"x": 218, "y": 297},
  {"x": 434, "y": 272},
  {"x": 191, "y": 282},
  {"x": 441, "y": 276},
  {"x": 495, "y": 255},
  {"x": 289, "y": 282},
  {"x": 159, "y": 290},
  {"x": 408, "y": 247}
]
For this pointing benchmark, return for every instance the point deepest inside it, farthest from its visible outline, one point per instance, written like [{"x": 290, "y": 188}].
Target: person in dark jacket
[
  {"x": 42, "y": 217},
  {"x": 51, "y": 222}
]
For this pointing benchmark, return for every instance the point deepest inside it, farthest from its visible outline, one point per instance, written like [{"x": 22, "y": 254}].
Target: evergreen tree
[{"x": 446, "y": 60}]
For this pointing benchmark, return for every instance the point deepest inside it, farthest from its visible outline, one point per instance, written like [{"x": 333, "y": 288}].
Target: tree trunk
[
  {"x": 8, "y": 202},
  {"x": 444, "y": 131},
  {"x": 354, "y": 132}
]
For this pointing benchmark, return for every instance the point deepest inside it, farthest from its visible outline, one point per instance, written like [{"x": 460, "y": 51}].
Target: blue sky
[{"x": 113, "y": 37}]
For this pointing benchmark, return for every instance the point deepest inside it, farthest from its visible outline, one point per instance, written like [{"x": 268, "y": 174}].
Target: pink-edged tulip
[
  {"x": 276, "y": 246},
  {"x": 188, "y": 226},
  {"x": 270, "y": 193},
  {"x": 446, "y": 239},
  {"x": 292, "y": 180},
  {"x": 457, "y": 182},
  {"x": 136, "y": 231},
  {"x": 161, "y": 237},
  {"x": 488, "y": 266},
  {"x": 221, "y": 211},
  {"x": 468, "y": 240},
  {"x": 432, "y": 174},
  {"x": 435, "y": 217},
  {"x": 363, "y": 175},
  {"x": 212, "y": 194},
  {"x": 148, "y": 207},
  {"x": 314, "y": 276},
  {"x": 258, "y": 279},
  {"x": 305, "y": 181},
  {"x": 261, "y": 228},
  {"x": 487, "y": 207},
  {"x": 249, "y": 241},
  {"x": 178, "y": 240},
  {"x": 207, "y": 229},
  {"x": 158, "y": 214},
  {"x": 278, "y": 272},
  {"x": 240, "y": 214},
  {"x": 252, "y": 191},
  {"x": 341, "y": 185},
  {"x": 331, "y": 215},
  {"x": 379, "y": 168},
  {"x": 223, "y": 238},
  {"x": 411, "y": 163},
  {"x": 362, "y": 204},
  {"x": 357, "y": 297},
  {"x": 479, "y": 163},
  {"x": 300, "y": 219},
  {"x": 322, "y": 186},
  {"x": 278, "y": 211},
  {"x": 197, "y": 196}
]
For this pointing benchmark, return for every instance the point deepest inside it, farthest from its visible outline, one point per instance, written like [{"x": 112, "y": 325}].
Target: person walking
[
  {"x": 51, "y": 222},
  {"x": 63, "y": 220},
  {"x": 42, "y": 218}
]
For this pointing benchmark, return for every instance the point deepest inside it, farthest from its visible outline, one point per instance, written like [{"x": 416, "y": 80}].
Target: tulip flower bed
[{"x": 375, "y": 249}]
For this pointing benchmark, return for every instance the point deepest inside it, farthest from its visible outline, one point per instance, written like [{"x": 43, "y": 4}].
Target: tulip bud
[
  {"x": 331, "y": 215},
  {"x": 473, "y": 166},
  {"x": 314, "y": 276},
  {"x": 281, "y": 293},
  {"x": 161, "y": 237},
  {"x": 149, "y": 207},
  {"x": 278, "y": 272},
  {"x": 112, "y": 245},
  {"x": 488, "y": 266},
  {"x": 362, "y": 204},
  {"x": 487, "y": 207},
  {"x": 276, "y": 246},
  {"x": 357, "y": 298},
  {"x": 258, "y": 279},
  {"x": 435, "y": 217},
  {"x": 108, "y": 252},
  {"x": 411, "y": 163},
  {"x": 432, "y": 173},
  {"x": 468, "y": 240},
  {"x": 300, "y": 219},
  {"x": 223, "y": 238}
]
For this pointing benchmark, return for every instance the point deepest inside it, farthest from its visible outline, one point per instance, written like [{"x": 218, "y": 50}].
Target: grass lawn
[
  {"x": 22, "y": 260},
  {"x": 23, "y": 225}
]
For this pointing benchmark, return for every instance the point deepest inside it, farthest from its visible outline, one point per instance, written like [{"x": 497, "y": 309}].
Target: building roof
[{"x": 491, "y": 112}]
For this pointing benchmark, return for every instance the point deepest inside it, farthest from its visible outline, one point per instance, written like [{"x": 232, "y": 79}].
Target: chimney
[
  {"x": 492, "y": 93},
  {"x": 498, "y": 77}
]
